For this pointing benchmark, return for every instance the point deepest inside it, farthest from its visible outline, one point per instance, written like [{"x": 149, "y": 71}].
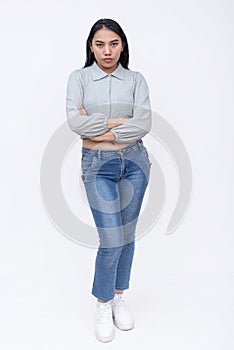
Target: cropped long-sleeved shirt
[{"x": 123, "y": 93}]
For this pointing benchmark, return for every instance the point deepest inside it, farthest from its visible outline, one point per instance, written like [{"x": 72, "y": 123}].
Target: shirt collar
[{"x": 98, "y": 73}]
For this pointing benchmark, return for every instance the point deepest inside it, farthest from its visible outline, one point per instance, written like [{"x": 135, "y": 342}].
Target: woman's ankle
[
  {"x": 102, "y": 301},
  {"x": 118, "y": 291}
]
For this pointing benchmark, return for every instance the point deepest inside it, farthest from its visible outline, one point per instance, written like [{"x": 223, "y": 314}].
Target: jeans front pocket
[
  {"x": 87, "y": 163},
  {"x": 146, "y": 156}
]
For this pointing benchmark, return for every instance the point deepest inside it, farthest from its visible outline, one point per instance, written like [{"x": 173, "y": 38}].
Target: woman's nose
[{"x": 107, "y": 50}]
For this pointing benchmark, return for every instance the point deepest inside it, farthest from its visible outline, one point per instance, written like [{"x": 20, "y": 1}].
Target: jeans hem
[
  {"x": 101, "y": 297},
  {"x": 122, "y": 288}
]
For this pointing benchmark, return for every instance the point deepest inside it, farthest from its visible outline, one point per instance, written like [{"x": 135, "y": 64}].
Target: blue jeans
[{"x": 115, "y": 183}]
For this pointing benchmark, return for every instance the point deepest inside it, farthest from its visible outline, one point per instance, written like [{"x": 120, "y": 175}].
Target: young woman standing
[{"x": 108, "y": 105}]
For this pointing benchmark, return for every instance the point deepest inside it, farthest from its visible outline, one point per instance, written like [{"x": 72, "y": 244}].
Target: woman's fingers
[{"x": 82, "y": 110}]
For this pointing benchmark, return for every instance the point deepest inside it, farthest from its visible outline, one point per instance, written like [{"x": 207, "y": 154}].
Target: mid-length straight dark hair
[{"x": 112, "y": 25}]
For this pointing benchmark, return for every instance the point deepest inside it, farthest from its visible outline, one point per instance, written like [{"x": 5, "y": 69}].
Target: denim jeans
[{"x": 115, "y": 182}]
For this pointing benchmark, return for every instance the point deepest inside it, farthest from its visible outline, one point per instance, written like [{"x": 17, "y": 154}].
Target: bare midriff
[{"x": 104, "y": 145}]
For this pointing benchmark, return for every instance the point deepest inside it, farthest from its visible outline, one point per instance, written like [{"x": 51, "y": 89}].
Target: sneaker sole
[
  {"x": 106, "y": 340},
  {"x": 125, "y": 328}
]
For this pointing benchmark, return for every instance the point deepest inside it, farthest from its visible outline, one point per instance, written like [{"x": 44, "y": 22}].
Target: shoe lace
[
  {"x": 104, "y": 313},
  {"x": 119, "y": 302}
]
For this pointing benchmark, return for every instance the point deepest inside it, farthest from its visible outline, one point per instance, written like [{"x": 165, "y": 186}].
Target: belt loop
[
  {"x": 140, "y": 145},
  {"x": 99, "y": 154}
]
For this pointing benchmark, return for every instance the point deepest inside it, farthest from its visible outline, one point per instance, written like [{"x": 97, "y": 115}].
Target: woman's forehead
[{"x": 105, "y": 34}]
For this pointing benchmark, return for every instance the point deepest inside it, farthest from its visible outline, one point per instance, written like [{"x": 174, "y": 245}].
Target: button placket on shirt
[{"x": 109, "y": 77}]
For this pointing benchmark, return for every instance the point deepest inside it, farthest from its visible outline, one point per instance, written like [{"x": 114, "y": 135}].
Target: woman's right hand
[{"x": 82, "y": 110}]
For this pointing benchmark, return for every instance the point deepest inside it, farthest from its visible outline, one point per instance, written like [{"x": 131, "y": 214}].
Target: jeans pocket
[
  {"x": 146, "y": 156},
  {"x": 87, "y": 163}
]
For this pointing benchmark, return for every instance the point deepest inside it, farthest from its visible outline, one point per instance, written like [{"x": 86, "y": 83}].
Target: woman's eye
[{"x": 101, "y": 45}]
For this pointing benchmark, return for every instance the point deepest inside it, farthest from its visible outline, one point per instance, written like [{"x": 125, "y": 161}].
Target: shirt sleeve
[
  {"x": 140, "y": 124},
  {"x": 87, "y": 126}
]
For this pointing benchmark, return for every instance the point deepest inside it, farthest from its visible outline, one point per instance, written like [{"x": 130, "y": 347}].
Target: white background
[{"x": 182, "y": 284}]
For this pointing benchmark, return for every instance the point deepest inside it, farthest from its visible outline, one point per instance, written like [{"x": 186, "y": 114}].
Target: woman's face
[{"x": 106, "y": 46}]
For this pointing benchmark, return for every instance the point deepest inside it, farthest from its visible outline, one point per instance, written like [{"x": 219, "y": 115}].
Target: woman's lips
[{"x": 107, "y": 59}]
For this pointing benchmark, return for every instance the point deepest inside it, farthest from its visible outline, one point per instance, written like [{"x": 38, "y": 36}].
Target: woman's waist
[
  {"x": 103, "y": 153},
  {"x": 104, "y": 145}
]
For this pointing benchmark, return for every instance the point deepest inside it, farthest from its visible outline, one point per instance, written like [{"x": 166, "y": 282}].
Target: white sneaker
[
  {"x": 122, "y": 317},
  {"x": 105, "y": 330}
]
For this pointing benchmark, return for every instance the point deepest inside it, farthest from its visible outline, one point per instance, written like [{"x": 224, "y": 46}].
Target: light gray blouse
[{"x": 123, "y": 93}]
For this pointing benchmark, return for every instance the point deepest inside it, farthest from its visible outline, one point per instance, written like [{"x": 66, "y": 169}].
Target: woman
[{"x": 108, "y": 105}]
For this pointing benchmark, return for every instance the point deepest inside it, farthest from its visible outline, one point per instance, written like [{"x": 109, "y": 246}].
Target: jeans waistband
[{"x": 107, "y": 153}]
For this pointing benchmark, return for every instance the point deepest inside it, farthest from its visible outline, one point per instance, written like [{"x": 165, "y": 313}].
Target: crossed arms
[
  {"x": 100, "y": 127},
  {"x": 111, "y": 123}
]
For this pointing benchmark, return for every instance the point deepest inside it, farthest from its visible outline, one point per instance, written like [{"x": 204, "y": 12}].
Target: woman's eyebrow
[{"x": 100, "y": 41}]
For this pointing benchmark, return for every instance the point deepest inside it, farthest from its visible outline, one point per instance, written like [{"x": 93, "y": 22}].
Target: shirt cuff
[{"x": 116, "y": 135}]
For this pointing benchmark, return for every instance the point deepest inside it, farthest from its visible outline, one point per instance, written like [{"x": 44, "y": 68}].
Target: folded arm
[
  {"x": 140, "y": 124},
  {"x": 95, "y": 126},
  {"x": 84, "y": 125}
]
